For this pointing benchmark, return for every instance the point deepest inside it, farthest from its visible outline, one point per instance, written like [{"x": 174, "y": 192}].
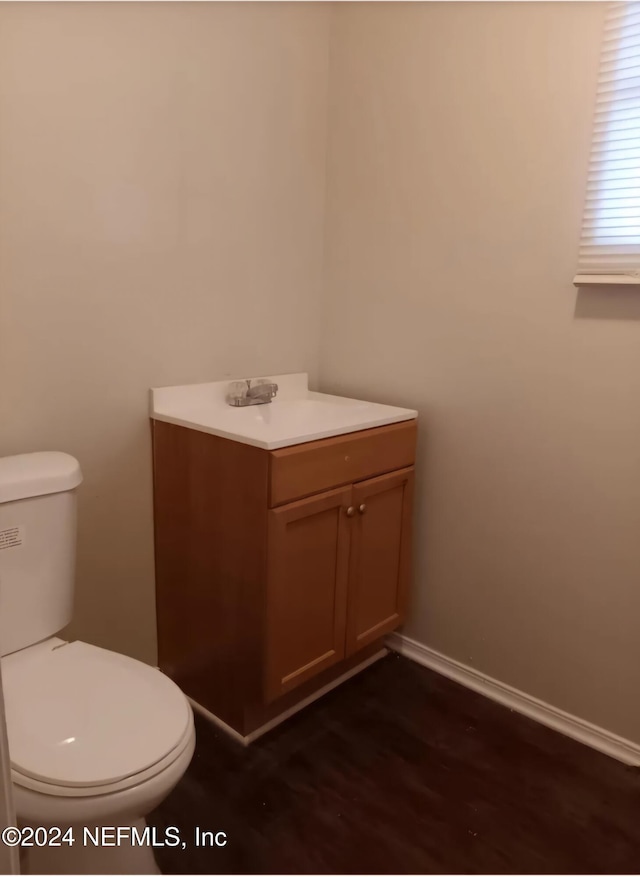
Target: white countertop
[{"x": 296, "y": 415}]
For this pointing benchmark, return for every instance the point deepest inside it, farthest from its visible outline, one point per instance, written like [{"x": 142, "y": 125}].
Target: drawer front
[{"x": 301, "y": 470}]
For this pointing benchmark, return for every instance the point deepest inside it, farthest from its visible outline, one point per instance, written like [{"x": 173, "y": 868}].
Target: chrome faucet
[{"x": 242, "y": 393}]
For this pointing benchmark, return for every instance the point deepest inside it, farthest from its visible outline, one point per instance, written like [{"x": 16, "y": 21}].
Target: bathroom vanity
[{"x": 282, "y": 543}]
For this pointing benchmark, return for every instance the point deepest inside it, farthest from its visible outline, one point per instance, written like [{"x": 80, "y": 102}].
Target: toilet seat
[
  {"x": 84, "y": 721},
  {"x": 27, "y": 782}
]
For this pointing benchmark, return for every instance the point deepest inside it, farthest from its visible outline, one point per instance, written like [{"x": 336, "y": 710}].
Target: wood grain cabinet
[{"x": 277, "y": 571}]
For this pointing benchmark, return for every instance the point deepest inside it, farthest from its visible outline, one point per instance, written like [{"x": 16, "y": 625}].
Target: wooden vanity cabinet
[
  {"x": 307, "y": 589},
  {"x": 380, "y": 557},
  {"x": 277, "y": 571}
]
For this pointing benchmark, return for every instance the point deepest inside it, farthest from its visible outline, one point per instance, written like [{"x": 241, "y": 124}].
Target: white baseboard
[
  {"x": 545, "y": 713},
  {"x": 215, "y": 720},
  {"x": 272, "y": 723}
]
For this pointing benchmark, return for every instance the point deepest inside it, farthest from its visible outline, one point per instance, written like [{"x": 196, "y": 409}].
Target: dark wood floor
[{"x": 402, "y": 771}]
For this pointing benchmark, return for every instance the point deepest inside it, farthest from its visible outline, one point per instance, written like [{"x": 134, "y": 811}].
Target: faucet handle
[
  {"x": 265, "y": 382},
  {"x": 236, "y": 392}
]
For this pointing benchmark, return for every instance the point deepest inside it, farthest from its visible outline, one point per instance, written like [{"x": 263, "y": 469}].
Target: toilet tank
[{"x": 37, "y": 546}]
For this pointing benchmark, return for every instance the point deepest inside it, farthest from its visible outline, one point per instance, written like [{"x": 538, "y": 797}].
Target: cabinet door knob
[
  {"x": 362, "y": 509},
  {"x": 351, "y": 511}
]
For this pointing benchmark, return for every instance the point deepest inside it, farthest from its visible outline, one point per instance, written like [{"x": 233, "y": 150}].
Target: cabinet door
[
  {"x": 308, "y": 567},
  {"x": 380, "y": 557}
]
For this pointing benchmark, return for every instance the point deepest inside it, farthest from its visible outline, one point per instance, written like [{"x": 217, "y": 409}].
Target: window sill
[{"x": 606, "y": 280}]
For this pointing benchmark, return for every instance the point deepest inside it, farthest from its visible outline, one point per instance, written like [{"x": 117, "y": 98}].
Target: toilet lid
[{"x": 78, "y": 715}]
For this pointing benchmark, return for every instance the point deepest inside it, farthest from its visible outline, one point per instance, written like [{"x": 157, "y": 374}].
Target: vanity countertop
[{"x": 296, "y": 415}]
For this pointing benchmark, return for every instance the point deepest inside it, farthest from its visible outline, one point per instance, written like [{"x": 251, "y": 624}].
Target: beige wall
[
  {"x": 161, "y": 207},
  {"x": 459, "y": 138}
]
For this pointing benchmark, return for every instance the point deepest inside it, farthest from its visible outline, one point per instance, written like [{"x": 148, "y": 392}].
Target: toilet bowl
[{"x": 95, "y": 738}]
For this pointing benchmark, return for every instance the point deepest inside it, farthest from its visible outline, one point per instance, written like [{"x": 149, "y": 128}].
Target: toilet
[{"x": 95, "y": 738}]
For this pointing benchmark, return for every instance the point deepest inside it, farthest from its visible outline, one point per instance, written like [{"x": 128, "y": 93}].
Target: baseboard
[
  {"x": 545, "y": 713},
  {"x": 272, "y": 723},
  {"x": 217, "y": 721}
]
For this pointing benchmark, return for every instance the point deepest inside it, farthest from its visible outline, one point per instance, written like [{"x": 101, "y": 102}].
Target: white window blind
[{"x": 610, "y": 240}]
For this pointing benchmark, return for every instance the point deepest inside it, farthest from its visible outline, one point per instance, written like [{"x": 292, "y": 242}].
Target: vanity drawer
[{"x": 301, "y": 470}]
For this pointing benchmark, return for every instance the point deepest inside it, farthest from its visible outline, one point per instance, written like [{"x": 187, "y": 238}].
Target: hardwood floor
[{"x": 402, "y": 771}]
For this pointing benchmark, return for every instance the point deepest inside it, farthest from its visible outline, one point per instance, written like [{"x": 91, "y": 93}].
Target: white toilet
[{"x": 95, "y": 738}]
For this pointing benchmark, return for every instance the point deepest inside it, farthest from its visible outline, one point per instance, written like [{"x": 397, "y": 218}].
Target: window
[{"x": 610, "y": 241}]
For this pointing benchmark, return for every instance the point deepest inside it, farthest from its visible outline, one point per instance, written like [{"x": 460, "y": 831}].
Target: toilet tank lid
[{"x": 28, "y": 475}]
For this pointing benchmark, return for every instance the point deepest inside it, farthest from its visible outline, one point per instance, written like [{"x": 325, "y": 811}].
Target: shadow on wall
[
  {"x": 607, "y": 304},
  {"x": 115, "y": 590}
]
